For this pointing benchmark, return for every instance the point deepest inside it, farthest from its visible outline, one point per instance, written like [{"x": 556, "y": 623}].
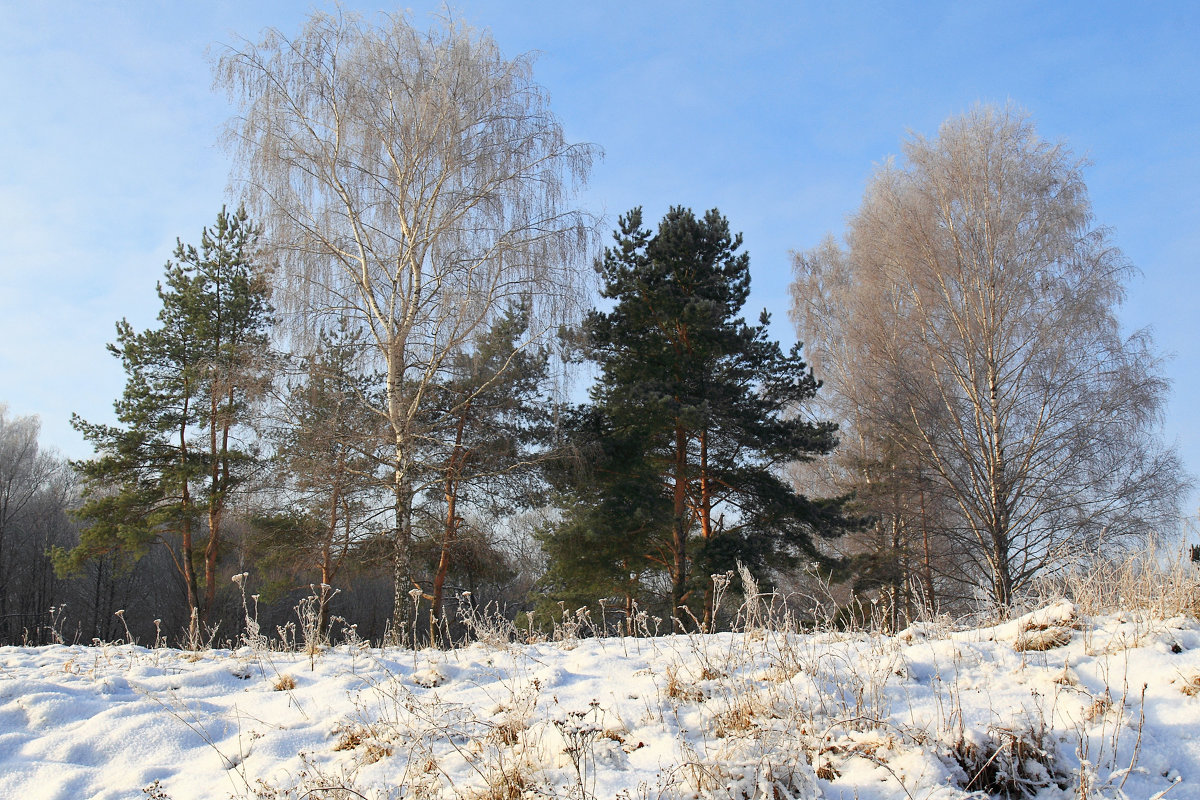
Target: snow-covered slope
[{"x": 1111, "y": 708}]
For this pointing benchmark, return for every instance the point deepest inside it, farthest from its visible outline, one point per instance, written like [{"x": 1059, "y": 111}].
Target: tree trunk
[
  {"x": 186, "y": 556},
  {"x": 1001, "y": 573},
  {"x": 453, "y": 479},
  {"x": 998, "y": 497},
  {"x": 96, "y": 631},
  {"x": 443, "y": 567},
  {"x": 400, "y": 413},
  {"x": 4, "y": 577},
  {"x": 214, "y": 515},
  {"x": 927, "y": 572},
  {"x": 327, "y": 552},
  {"x": 706, "y": 527},
  {"x": 679, "y": 542},
  {"x": 402, "y": 555}
]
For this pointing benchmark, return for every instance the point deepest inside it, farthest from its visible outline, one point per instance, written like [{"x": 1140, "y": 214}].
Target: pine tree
[
  {"x": 328, "y": 461},
  {"x": 488, "y": 423},
  {"x": 712, "y": 400},
  {"x": 168, "y": 470},
  {"x": 613, "y": 538}
]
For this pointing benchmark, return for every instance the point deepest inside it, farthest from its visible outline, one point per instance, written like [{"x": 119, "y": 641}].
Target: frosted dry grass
[
  {"x": 774, "y": 712},
  {"x": 1058, "y": 703},
  {"x": 767, "y": 714},
  {"x": 1156, "y": 582}
]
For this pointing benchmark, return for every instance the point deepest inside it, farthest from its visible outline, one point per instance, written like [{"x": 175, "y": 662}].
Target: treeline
[
  {"x": 230, "y": 456},
  {"x": 355, "y": 388}
]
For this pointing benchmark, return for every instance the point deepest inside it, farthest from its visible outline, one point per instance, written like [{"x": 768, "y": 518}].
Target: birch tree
[
  {"x": 414, "y": 181},
  {"x": 975, "y": 311}
]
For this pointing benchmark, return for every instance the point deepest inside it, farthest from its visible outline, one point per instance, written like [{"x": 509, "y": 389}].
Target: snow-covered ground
[{"x": 1110, "y": 709}]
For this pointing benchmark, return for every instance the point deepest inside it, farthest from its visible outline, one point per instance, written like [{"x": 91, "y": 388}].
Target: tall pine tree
[
  {"x": 711, "y": 401},
  {"x": 168, "y": 470},
  {"x": 488, "y": 423}
]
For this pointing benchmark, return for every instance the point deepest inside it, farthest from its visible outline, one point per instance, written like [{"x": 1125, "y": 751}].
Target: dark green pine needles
[{"x": 690, "y": 425}]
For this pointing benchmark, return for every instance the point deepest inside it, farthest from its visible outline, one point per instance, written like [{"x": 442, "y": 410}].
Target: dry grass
[
  {"x": 503, "y": 785},
  {"x": 350, "y": 738},
  {"x": 782, "y": 706},
  {"x": 374, "y": 751},
  {"x": 742, "y": 717},
  {"x": 1014, "y": 762},
  {"x": 679, "y": 688},
  {"x": 1191, "y": 685},
  {"x": 1099, "y": 707},
  {"x": 508, "y": 733},
  {"x": 1162, "y": 582},
  {"x": 1041, "y": 640}
]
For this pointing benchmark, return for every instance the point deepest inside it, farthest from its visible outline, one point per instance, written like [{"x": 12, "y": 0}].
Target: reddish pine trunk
[
  {"x": 706, "y": 527},
  {"x": 189, "y": 567},
  {"x": 214, "y": 515}
]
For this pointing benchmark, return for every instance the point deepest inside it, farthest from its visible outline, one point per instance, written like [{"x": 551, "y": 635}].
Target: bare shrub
[{"x": 1012, "y": 762}]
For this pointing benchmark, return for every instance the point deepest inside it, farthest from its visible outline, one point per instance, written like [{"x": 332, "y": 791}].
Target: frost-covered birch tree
[
  {"x": 415, "y": 182},
  {"x": 970, "y": 327}
]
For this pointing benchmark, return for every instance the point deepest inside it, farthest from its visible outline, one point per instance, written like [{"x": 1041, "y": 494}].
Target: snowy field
[{"x": 1049, "y": 705}]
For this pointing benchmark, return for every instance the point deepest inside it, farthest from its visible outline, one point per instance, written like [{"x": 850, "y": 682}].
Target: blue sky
[{"x": 776, "y": 113}]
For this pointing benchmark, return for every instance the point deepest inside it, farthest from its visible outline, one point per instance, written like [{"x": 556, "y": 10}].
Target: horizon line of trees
[{"x": 354, "y": 387}]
